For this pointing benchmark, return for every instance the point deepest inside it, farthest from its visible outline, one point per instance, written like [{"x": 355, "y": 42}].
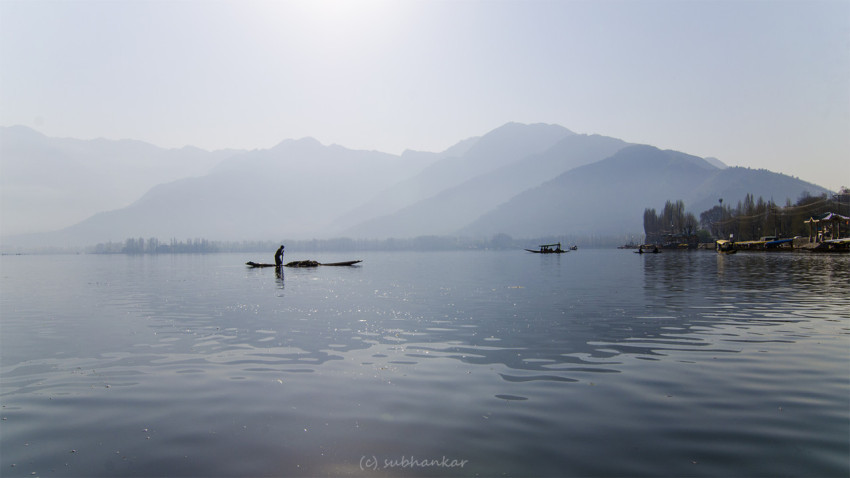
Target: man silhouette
[{"x": 278, "y": 256}]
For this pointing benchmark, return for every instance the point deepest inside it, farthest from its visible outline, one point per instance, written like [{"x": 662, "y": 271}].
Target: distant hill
[
  {"x": 50, "y": 183},
  {"x": 292, "y": 190},
  {"x": 716, "y": 163},
  {"x": 469, "y": 159},
  {"x": 608, "y": 197},
  {"x": 454, "y": 207},
  {"x": 523, "y": 180},
  {"x": 730, "y": 183}
]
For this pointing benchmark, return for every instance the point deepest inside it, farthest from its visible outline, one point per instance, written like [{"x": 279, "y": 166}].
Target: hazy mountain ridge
[
  {"x": 466, "y": 160},
  {"x": 728, "y": 183},
  {"x": 523, "y": 180},
  {"x": 608, "y": 197},
  {"x": 291, "y": 190},
  {"x": 716, "y": 163},
  {"x": 455, "y": 207},
  {"x": 62, "y": 181}
]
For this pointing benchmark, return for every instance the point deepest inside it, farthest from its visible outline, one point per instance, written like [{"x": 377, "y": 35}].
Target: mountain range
[{"x": 524, "y": 180}]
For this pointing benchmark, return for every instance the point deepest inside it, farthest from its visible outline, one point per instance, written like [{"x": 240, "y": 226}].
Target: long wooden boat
[
  {"x": 317, "y": 264},
  {"x": 302, "y": 264},
  {"x": 547, "y": 249},
  {"x": 345, "y": 263}
]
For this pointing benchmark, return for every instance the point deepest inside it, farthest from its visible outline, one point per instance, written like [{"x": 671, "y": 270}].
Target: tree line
[
  {"x": 343, "y": 244},
  {"x": 155, "y": 246},
  {"x": 749, "y": 220},
  {"x": 421, "y": 243},
  {"x": 673, "y": 224}
]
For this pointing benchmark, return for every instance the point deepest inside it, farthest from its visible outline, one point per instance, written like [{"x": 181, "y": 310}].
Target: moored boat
[{"x": 723, "y": 246}]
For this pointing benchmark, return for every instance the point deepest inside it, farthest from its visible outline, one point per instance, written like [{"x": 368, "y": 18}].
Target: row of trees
[
  {"x": 751, "y": 219},
  {"x": 673, "y": 224},
  {"x": 155, "y": 246},
  {"x": 421, "y": 243}
]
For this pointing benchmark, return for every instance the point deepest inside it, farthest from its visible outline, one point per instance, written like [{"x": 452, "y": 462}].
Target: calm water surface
[{"x": 591, "y": 363}]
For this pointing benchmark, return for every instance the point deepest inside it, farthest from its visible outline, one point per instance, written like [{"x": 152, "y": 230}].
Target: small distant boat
[
  {"x": 649, "y": 249},
  {"x": 302, "y": 264},
  {"x": 548, "y": 249},
  {"x": 723, "y": 246}
]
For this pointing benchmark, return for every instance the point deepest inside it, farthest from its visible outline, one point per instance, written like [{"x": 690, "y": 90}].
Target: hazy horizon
[{"x": 517, "y": 179}]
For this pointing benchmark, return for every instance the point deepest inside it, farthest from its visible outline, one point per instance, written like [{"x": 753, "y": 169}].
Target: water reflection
[
  {"x": 550, "y": 329},
  {"x": 548, "y": 319},
  {"x": 524, "y": 365},
  {"x": 279, "y": 274}
]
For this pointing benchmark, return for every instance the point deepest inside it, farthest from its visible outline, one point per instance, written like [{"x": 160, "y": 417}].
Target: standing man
[{"x": 278, "y": 256}]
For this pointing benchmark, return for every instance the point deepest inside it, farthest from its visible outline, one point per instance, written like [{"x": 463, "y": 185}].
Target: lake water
[{"x": 485, "y": 363}]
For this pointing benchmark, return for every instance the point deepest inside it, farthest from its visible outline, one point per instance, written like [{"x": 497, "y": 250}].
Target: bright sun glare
[{"x": 338, "y": 13}]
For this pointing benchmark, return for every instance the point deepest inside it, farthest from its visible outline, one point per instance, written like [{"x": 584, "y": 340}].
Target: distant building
[{"x": 827, "y": 227}]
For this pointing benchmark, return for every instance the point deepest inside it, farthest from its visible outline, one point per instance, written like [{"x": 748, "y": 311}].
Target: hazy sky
[{"x": 762, "y": 84}]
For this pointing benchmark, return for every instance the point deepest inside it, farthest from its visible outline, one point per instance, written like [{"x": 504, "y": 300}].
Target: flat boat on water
[
  {"x": 302, "y": 264},
  {"x": 548, "y": 249},
  {"x": 648, "y": 249}
]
